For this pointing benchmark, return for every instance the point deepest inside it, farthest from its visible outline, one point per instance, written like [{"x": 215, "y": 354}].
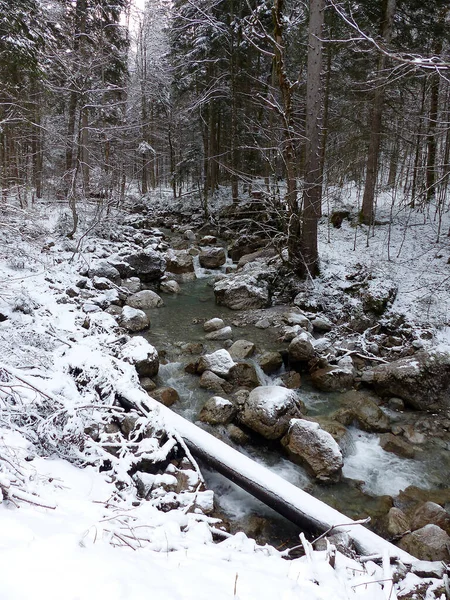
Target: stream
[{"x": 370, "y": 474}]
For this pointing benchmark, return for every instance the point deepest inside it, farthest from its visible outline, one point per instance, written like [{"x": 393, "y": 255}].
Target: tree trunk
[
  {"x": 367, "y": 210},
  {"x": 308, "y": 255}
]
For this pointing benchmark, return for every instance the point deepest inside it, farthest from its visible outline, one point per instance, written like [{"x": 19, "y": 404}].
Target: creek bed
[{"x": 371, "y": 474}]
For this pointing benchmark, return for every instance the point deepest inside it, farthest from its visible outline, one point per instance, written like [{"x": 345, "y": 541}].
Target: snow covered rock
[
  {"x": 246, "y": 289},
  {"x": 145, "y": 300},
  {"x": 309, "y": 443},
  {"x": 428, "y": 543},
  {"x": 179, "y": 262},
  {"x": 339, "y": 378},
  {"x": 219, "y": 362},
  {"x": 212, "y": 258},
  {"x": 133, "y": 319},
  {"x": 422, "y": 380},
  {"x": 149, "y": 264},
  {"x": 301, "y": 348},
  {"x": 104, "y": 269},
  {"x": 321, "y": 324},
  {"x": 217, "y": 411},
  {"x": 269, "y": 409},
  {"x": 142, "y": 355}
]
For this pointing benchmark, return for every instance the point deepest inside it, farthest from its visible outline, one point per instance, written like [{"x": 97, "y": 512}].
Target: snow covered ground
[{"x": 67, "y": 534}]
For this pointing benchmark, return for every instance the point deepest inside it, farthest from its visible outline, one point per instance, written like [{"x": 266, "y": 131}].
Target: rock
[
  {"x": 133, "y": 284},
  {"x": 142, "y": 355},
  {"x": 301, "y": 349},
  {"x": 148, "y": 384},
  {"x": 219, "y": 362},
  {"x": 208, "y": 240},
  {"x": 431, "y": 513},
  {"x": 246, "y": 289},
  {"x": 237, "y": 435},
  {"x": 422, "y": 380},
  {"x": 298, "y": 319},
  {"x": 333, "y": 378},
  {"x": 362, "y": 409},
  {"x": 242, "y": 349},
  {"x": 149, "y": 264},
  {"x": 334, "y": 428},
  {"x": 395, "y": 523},
  {"x": 214, "y": 383},
  {"x": 244, "y": 375},
  {"x": 213, "y": 324},
  {"x": 170, "y": 287},
  {"x": 396, "y": 404},
  {"x": 260, "y": 255},
  {"x": 221, "y": 334},
  {"x": 212, "y": 258},
  {"x": 428, "y": 543},
  {"x": 396, "y": 445},
  {"x": 189, "y": 235},
  {"x": 262, "y": 323},
  {"x": 310, "y": 444},
  {"x": 378, "y": 295},
  {"x": 101, "y": 283},
  {"x": 128, "y": 423},
  {"x": 322, "y": 324},
  {"x": 292, "y": 380},
  {"x": 145, "y": 300},
  {"x": 104, "y": 269},
  {"x": 270, "y": 362},
  {"x": 269, "y": 409},
  {"x": 179, "y": 262},
  {"x": 166, "y": 395},
  {"x": 217, "y": 411},
  {"x": 114, "y": 310},
  {"x": 133, "y": 319}
]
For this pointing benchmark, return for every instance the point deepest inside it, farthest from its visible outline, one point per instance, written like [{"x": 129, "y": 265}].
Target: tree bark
[{"x": 367, "y": 210}]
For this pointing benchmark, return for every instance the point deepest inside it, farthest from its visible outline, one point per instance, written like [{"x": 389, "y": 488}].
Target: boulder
[
  {"x": 395, "y": 523},
  {"x": 133, "y": 284},
  {"x": 104, "y": 269},
  {"x": 133, "y": 319},
  {"x": 225, "y": 333},
  {"x": 428, "y": 543},
  {"x": 339, "y": 378},
  {"x": 144, "y": 300},
  {"x": 291, "y": 380},
  {"x": 166, "y": 395},
  {"x": 244, "y": 375},
  {"x": 321, "y": 324},
  {"x": 170, "y": 287},
  {"x": 430, "y": 512},
  {"x": 179, "y": 262},
  {"x": 214, "y": 383},
  {"x": 217, "y": 411},
  {"x": 301, "y": 349},
  {"x": 298, "y": 319},
  {"x": 242, "y": 349},
  {"x": 219, "y": 362},
  {"x": 237, "y": 435},
  {"x": 396, "y": 445},
  {"x": 260, "y": 255},
  {"x": 208, "y": 240},
  {"x": 269, "y": 409},
  {"x": 421, "y": 380},
  {"x": 310, "y": 444},
  {"x": 270, "y": 362},
  {"x": 212, "y": 258},
  {"x": 149, "y": 264},
  {"x": 244, "y": 290},
  {"x": 362, "y": 409},
  {"x": 142, "y": 355},
  {"x": 213, "y": 325}
]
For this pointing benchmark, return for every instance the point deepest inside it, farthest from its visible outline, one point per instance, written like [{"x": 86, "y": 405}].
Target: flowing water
[{"x": 369, "y": 472}]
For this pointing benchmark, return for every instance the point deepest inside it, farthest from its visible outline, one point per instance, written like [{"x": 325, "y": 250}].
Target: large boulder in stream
[
  {"x": 422, "y": 380},
  {"x": 179, "y": 262},
  {"x": 144, "y": 300},
  {"x": 133, "y": 319},
  {"x": 268, "y": 410},
  {"x": 335, "y": 378},
  {"x": 428, "y": 543},
  {"x": 245, "y": 290},
  {"x": 142, "y": 355},
  {"x": 217, "y": 411},
  {"x": 308, "y": 443},
  {"x": 219, "y": 362},
  {"x": 149, "y": 265},
  {"x": 212, "y": 258},
  {"x": 360, "y": 408}
]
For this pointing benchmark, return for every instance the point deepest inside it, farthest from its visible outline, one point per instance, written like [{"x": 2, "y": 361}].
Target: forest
[{"x": 224, "y": 317}]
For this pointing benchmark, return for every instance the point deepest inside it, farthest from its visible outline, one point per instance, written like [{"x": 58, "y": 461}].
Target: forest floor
[{"x": 66, "y": 533}]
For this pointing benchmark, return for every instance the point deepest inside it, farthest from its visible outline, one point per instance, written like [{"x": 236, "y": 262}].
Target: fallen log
[{"x": 285, "y": 498}]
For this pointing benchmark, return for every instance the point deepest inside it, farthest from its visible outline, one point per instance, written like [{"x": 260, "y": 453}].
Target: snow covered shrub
[{"x": 24, "y": 303}]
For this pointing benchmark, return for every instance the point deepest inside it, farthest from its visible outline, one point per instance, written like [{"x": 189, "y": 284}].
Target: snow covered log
[{"x": 285, "y": 498}]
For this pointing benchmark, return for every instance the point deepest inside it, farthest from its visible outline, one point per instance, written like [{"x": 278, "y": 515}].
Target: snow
[
  {"x": 219, "y": 362},
  {"x": 138, "y": 349}
]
